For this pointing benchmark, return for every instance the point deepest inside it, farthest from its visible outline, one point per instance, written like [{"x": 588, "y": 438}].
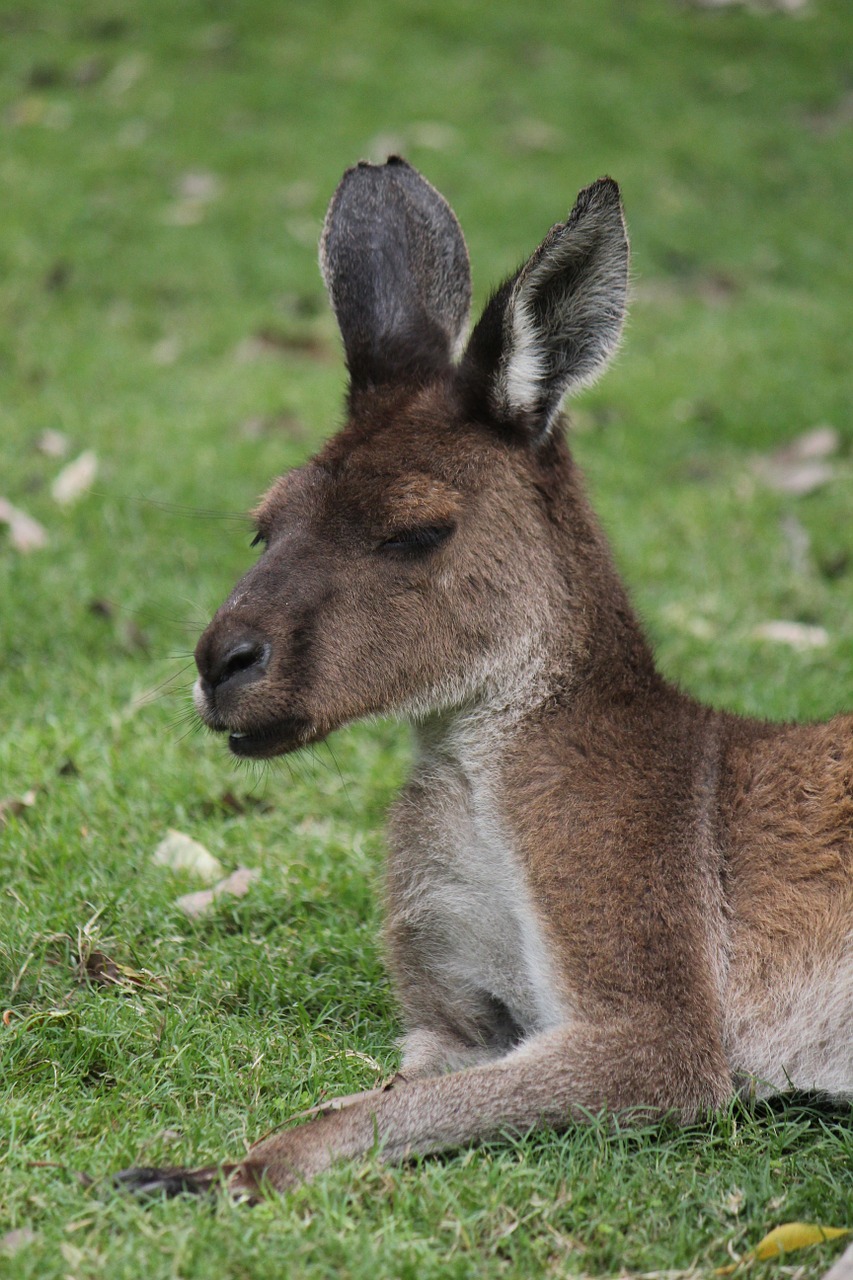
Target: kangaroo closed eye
[{"x": 426, "y": 538}]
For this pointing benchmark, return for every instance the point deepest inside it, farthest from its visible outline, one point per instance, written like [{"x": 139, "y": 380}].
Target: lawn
[{"x": 165, "y": 169}]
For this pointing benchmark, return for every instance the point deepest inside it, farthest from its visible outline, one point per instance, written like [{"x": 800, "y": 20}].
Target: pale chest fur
[{"x": 466, "y": 943}]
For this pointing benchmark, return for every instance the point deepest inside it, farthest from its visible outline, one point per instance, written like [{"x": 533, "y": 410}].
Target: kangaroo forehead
[{"x": 359, "y": 492}]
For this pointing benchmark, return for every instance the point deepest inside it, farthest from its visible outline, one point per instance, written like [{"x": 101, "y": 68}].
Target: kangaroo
[{"x": 600, "y": 893}]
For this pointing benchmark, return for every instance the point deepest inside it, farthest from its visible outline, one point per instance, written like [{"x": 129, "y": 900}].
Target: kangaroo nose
[{"x": 239, "y": 660}]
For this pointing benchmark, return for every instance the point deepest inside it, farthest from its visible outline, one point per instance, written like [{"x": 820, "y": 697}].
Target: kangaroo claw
[{"x": 145, "y": 1182}]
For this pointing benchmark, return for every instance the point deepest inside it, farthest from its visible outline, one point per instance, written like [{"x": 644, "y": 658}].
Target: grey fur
[
  {"x": 554, "y": 326},
  {"x": 396, "y": 266}
]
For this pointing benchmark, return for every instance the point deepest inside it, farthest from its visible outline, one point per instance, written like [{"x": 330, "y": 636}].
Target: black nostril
[{"x": 247, "y": 658}]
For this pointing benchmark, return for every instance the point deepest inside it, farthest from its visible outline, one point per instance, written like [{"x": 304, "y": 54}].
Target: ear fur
[
  {"x": 395, "y": 264},
  {"x": 553, "y": 326}
]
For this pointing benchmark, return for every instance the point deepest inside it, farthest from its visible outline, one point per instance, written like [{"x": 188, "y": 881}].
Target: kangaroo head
[{"x": 417, "y": 563}]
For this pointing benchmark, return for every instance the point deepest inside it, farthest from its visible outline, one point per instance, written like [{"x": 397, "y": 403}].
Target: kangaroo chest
[{"x": 464, "y": 932}]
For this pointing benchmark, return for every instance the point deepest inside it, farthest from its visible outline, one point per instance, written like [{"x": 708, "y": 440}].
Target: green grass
[{"x": 125, "y": 309}]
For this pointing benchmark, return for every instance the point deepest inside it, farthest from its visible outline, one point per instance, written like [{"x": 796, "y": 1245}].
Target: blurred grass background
[{"x": 164, "y": 173}]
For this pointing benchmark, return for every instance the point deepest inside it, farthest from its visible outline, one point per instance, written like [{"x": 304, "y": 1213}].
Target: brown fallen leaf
[
  {"x": 29, "y": 110},
  {"x": 434, "y": 135},
  {"x": 270, "y": 341},
  {"x": 14, "y": 805},
  {"x": 534, "y": 135},
  {"x": 26, "y": 534},
  {"x": 44, "y": 75},
  {"x": 99, "y": 968},
  {"x": 366, "y": 1058},
  {"x": 101, "y": 608},
  {"x": 195, "y": 191},
  {"x": 799, "y": 635},
  {"x": 166, "y": 351},
  {"x": 134, "y": 638},
  {"x": 755, "y": 6},
  {"x": 799, "y": 545},
  {"x": 73, "y": 480},
  {"x": 382, "y": 145},
  {"x": 180, "y": 852},
  {"x": 89, "y": 71},
  {"x": 18, "y": 1239},
  {"x": 199, "y": 184},
  {"x": 803, "y": 465},
  {"x": 819, "y": 442},
  {"x": 230, "y": 802},
  {"x": 58, "y": 277},
  {"x": 835, "y": 564},
  {"x": 53, "y": 443},
  {"x": 236, "y": 885},
  {"x": 125, "y": 74},
  {"x": 299, "y": 194}
]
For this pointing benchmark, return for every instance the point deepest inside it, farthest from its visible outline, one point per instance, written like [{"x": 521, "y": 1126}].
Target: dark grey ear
[
  {"x": 395, "y": 264},
  {"x": 552, "y": 327}
]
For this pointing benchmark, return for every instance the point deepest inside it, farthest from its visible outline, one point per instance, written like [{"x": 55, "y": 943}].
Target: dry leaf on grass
[
  {"x": 231, "y": 803},
  {"x": 180, "y": 852},
  {"x": 733, "y": 1202},
  {"x": 235, "y": 886},
  {"x": 299, "y": 194},
  {"x": 196, "y": 190},
  {"x": 166, "y": 351},
  {"x": 199, "y": 184},
  {"x": 269, "y": 341},
  {"x": 843, "y": 1266},
  {"x": 13, "y": 805},
  {"x": 17, "y": 1239},
  {"x": 125, "y": 74},
  {"x": 432, "y": 135},
  {"x": 53, "y": 443},
  {"x": 796, "y": 634},
  {"x": 366, "y": 1058},
  {"x": 26, "y": 534},
  {"x": 134, "y": 639},
  {"x": 73, "y": 480},
  {"x": 533, "y": 135},
  {"x": 799, "y": 545},
  {"x": 801, "y": 466},
  {"x": 785, "y": 1239},
  {"x": 103, "y": 971},
  {"x": 755, "y": 6}
]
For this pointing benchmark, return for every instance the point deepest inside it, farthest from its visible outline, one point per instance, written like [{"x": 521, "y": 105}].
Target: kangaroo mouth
[{"x": 272, "y": 740}]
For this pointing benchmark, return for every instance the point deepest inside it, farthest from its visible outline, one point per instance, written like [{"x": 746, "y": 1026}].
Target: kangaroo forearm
[{"x": 555, "y": 1079}]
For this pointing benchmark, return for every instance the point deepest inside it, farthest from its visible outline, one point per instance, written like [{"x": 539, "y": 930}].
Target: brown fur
[{"x": 600, "y": 893}]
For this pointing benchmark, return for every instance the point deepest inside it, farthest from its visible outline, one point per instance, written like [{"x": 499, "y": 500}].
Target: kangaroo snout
[
  {"x": 232, "y": 693},
  {"x": 230, "y": 659},
  {"x": 224, "y": 660}
]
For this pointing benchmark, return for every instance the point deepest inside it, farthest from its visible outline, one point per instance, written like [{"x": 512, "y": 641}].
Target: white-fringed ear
[{"x": 553, "y": 327}]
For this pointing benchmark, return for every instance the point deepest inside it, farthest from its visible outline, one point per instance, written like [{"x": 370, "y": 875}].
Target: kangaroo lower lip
[{"x": 273, "y": 740}]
